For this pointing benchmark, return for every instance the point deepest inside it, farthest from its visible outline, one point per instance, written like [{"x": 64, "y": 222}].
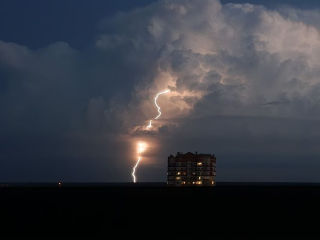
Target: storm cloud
[{"x": 244, "y": 83}]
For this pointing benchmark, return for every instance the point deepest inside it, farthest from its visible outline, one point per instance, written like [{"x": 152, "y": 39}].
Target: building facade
[{"x": 191, "y": 169}]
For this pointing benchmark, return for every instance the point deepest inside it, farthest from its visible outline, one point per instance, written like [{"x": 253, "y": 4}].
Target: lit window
[
  {"x": 178, "y": 178},
  {"x": 212, "y": 182},
  {"x": 199, "y": 182},
  {"x": 199, "y": 178},
  {"x": 178, "y": 173},
  {"x": 199, "y": 164},
  {"x": 193, "y": 183},
  {"x": 183, "y": 182}
]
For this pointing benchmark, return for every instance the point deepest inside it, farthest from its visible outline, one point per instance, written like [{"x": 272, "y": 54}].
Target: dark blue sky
[{"x": 37, "y": 23}]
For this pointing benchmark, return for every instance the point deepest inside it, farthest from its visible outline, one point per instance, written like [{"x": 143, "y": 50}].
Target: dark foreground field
[{"x": 157, "y": 212}]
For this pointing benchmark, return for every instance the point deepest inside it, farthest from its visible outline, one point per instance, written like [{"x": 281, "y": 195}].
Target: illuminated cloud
[{"x": 229, "y": 59}]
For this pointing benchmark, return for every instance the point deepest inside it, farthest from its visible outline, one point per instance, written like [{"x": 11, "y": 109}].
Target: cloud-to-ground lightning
[
  {"x": 142, "y": 146},
  {"x": 159, "y": 109},
  {"x": 134, "y": 169}
]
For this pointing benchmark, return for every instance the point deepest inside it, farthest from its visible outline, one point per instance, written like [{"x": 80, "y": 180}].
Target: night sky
[{"x": 78, "y": 81}]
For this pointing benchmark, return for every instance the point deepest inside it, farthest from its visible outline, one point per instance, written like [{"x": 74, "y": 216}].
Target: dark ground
[{"x": 157, "y": 212}]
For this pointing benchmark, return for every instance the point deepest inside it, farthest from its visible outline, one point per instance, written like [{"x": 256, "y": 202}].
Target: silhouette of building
[{"x": 191, "y": 170}]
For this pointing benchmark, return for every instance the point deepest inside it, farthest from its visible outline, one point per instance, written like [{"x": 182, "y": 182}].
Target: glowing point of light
[
  {"x": 134, "y": 169},
  {"x": 141, "y": 147}
]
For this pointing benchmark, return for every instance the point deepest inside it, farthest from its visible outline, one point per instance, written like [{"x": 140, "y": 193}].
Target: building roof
[
  {"x": 192, "y": 157},
  {"x": 190, "y": 154}
]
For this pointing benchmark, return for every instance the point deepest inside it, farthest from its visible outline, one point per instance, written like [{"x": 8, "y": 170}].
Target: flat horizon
[{"x": 147, "y": 184}]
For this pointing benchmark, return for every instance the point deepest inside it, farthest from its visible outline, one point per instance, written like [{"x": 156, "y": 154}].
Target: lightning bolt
[
  {"x": 134, "y": 169},
  {"x": 159, "y": 109},
  {"x": 142, "y": 146}
]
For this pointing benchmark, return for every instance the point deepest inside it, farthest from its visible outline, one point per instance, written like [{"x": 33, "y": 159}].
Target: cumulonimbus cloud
[{"x": 225, "y": 59}]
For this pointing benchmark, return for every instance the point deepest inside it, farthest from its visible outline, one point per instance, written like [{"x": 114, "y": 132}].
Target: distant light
[{"x": 142, "y": 146}]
